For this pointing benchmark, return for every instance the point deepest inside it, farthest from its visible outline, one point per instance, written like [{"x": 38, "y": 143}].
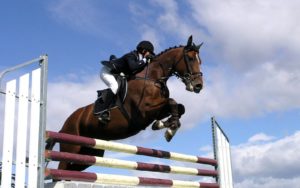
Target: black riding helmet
[{"x": 145, "y": 45}]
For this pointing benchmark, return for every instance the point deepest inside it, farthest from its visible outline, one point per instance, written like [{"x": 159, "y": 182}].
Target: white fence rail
[{"x": 25, "y": 108}]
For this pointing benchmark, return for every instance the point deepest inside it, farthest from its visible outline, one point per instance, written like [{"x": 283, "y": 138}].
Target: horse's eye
[{"x": 191, "y": 58}]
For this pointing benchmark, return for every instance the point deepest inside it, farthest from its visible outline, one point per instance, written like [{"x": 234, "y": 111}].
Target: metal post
[
  {"x": 214, "y": 144},
  {"x": 43, "y": 119}
]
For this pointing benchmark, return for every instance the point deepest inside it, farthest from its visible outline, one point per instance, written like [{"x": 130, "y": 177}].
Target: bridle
[{"x": 189, "y": 76}]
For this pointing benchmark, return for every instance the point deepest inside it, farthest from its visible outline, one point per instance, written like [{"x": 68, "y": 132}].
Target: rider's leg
[
  {"x": 111, "y": 82},
  {"x": 109, "y": 79}
]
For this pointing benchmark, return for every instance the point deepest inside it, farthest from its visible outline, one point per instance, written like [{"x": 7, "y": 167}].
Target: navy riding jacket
[{"x": 129, "y": 64}]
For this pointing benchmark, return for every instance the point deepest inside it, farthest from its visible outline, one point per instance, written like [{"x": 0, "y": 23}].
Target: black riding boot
[
  {"x": 105, "y": 101},
  {"x": 105, "y": 115}
]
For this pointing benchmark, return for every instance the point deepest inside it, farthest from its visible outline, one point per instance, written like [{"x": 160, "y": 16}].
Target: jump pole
[
  {"x": 123, "y": 180},
  {"x": 119, "y": 147},
  {"x": 117, "y": 163}
]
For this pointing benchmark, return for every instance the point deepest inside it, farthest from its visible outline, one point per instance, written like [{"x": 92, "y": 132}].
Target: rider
[{"x": 129, "y": 64}]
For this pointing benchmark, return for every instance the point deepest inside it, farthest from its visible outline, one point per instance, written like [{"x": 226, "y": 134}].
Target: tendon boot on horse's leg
[
  {"x": 173, "y": 122},
  {"x": 159, "y": 124},
  {"x": 174, "y": 125}
]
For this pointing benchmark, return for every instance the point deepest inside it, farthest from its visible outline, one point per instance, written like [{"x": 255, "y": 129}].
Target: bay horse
[{"x": 147, "y": 102}]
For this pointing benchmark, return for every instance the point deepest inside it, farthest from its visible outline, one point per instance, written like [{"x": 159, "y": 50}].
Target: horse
[{"x": 147, "y": 102}]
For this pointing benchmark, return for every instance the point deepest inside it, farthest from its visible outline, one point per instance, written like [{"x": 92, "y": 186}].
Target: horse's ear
[
  {"x": 190, "y": 41},
  {"x": 199, "y": 46}
]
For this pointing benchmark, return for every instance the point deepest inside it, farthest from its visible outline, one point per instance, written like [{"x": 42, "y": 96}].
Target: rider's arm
[{"x": 135, "y": 65}]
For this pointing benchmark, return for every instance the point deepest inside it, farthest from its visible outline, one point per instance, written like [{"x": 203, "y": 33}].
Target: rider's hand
[{"x": 149, "y": 57}]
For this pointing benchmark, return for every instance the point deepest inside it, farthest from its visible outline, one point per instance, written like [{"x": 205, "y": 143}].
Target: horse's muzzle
[{"x": 197, "y": 88}]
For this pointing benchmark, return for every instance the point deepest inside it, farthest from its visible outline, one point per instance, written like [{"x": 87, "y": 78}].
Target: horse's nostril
[{"x": 197, "y": 88}]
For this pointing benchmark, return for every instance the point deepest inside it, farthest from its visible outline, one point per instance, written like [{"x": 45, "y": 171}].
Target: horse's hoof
[
  {"x": 157, "y": 125},
  {"x": 169, "y": 134}
]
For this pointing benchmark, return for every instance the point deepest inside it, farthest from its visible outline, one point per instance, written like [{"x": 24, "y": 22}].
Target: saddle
[{"x": 106, "y": 99}]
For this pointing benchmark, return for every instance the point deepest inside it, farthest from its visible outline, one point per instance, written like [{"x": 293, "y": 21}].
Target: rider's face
[{"x": 145, "y": 53}]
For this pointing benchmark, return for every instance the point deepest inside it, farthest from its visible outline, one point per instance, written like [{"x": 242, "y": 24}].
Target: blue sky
[{"x": 250, "y": 63}]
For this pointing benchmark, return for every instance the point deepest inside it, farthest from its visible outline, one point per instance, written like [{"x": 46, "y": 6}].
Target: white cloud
[
  {"x": 150, "y": 34},
  {"x": 269, "y": 165},
  {"x": 77, "y": 14},
  {"x": 64, "y": 97},
  {"x": 172, "y": 22},
  {"x": 268, "y": 182},
  {"x": 245, "y": 33},
  {"x": 253, "y": 45},
  {"x": 207, "y": 148},
  {"x": 276, "y": 161},
  {"x": 226, "y": 94},
  {"x": 260, "y": 137}
]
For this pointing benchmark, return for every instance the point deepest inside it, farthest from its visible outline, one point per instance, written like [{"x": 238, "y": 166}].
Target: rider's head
[{"x": 144, "y": 47}]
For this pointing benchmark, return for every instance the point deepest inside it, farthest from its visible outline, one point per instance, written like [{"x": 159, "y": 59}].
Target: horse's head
[{"x": 187, "y": 66}]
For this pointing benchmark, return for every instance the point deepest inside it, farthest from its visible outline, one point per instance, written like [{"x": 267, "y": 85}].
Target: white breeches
[{"x": 109, "y": 79}]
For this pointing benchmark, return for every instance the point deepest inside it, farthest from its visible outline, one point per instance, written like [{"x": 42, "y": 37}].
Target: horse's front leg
[{"x": 172, "y": 123}]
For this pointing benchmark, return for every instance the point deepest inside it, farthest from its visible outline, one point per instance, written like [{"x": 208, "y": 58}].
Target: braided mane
[{"x": 170, "y": 48}]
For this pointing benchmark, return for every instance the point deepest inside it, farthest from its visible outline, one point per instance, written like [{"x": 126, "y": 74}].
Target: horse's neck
[
  {"x": 155, "y": 71},
  {"x": 159, "y": 69}
]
